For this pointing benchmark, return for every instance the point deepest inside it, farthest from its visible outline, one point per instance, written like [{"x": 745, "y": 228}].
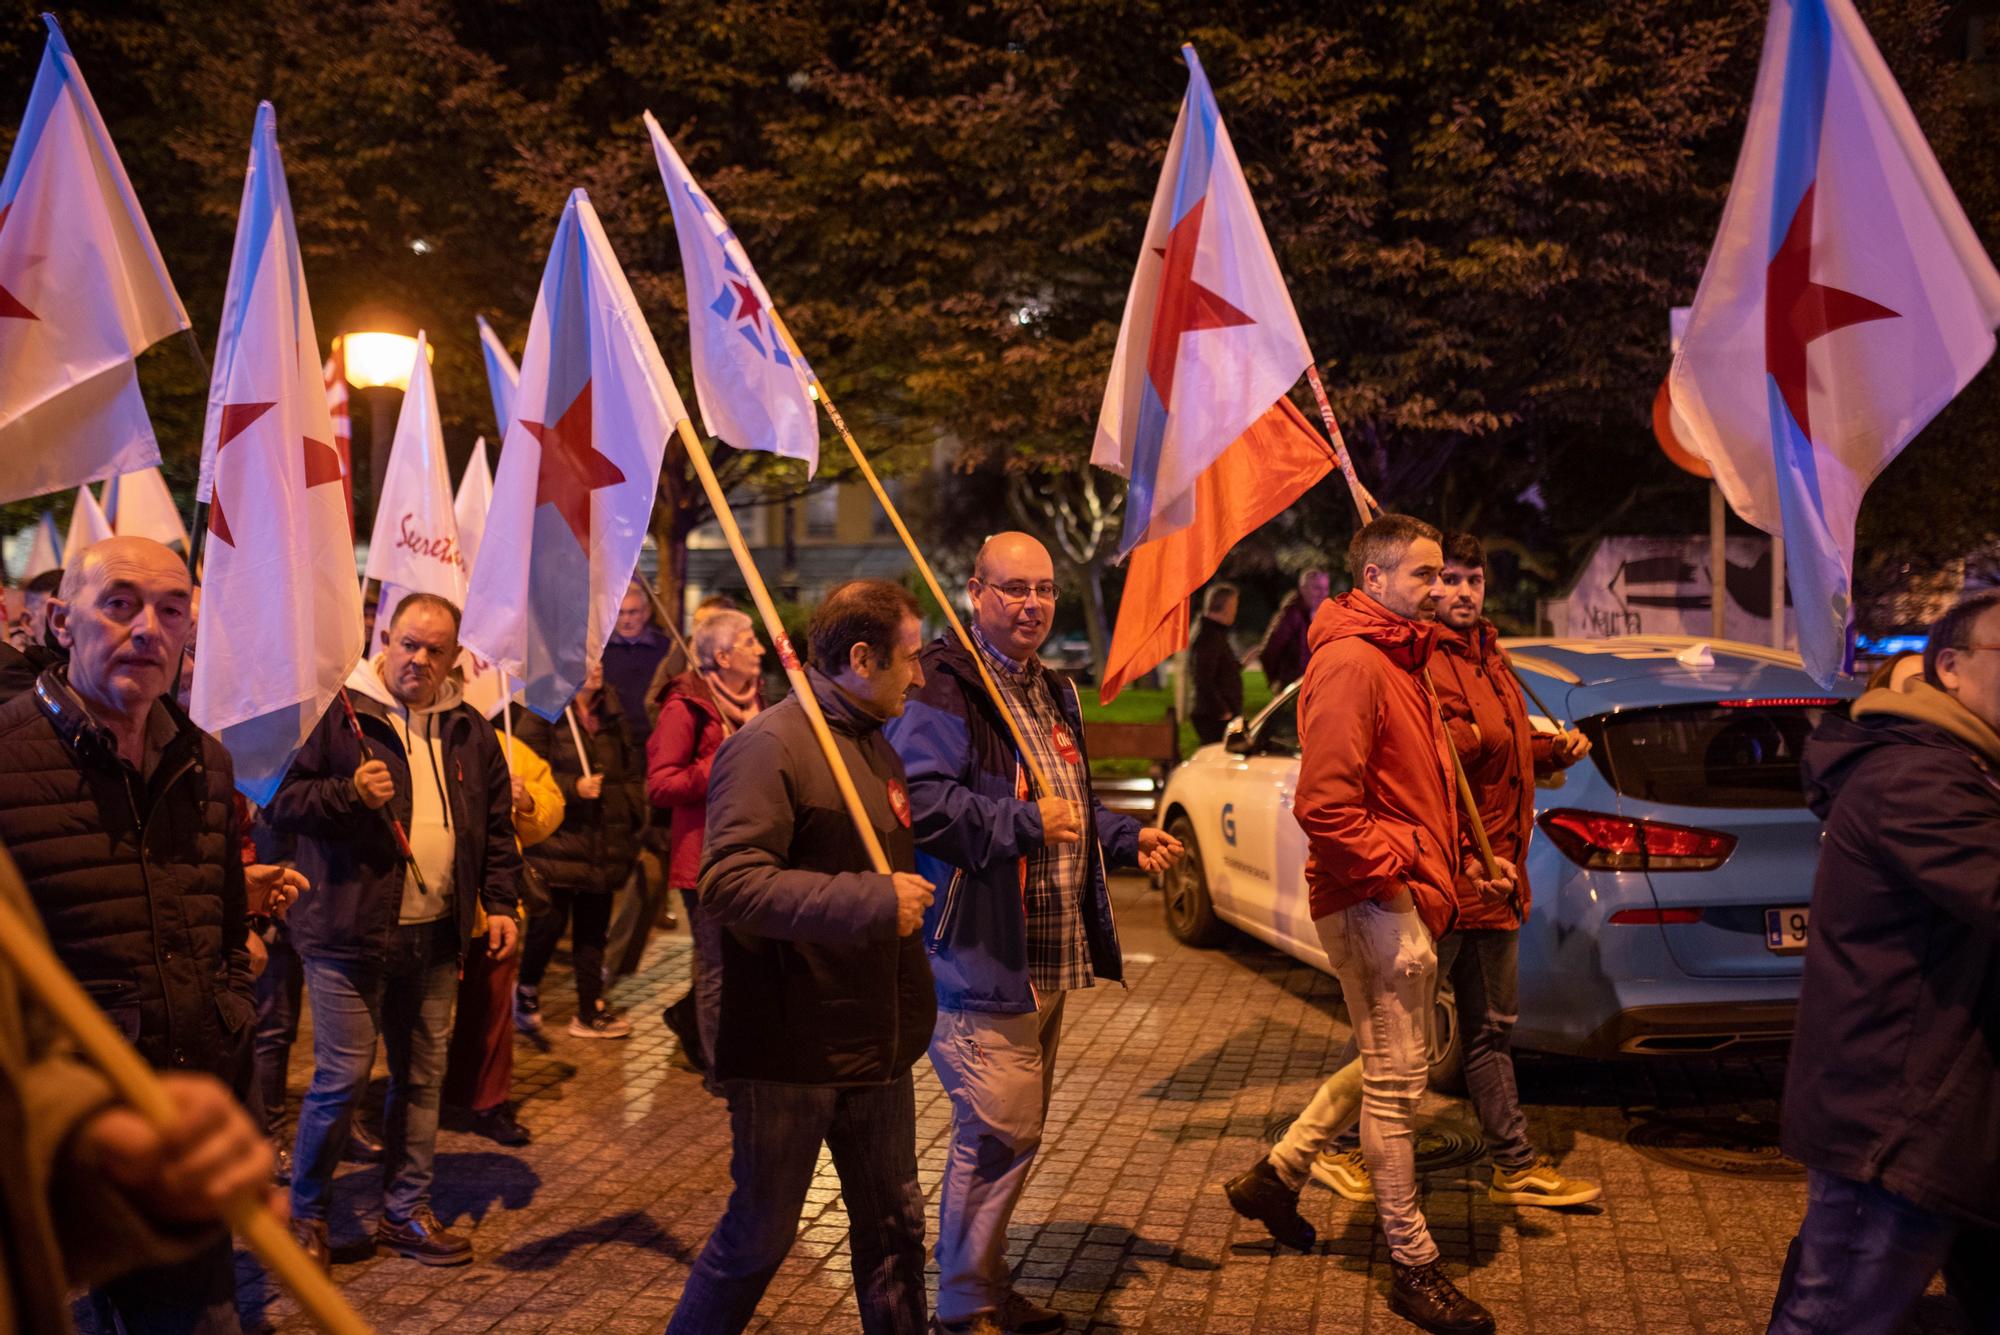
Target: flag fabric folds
[
  {"x": 579, "y": 468},
  {"x": 338, "y": 406},
  {"x": 87, "y": 527},
  {"x": 1846, "y": 301},
  {"x": 1209, "y": 340},
  {"x": 754, "y": 388},
  {"x": 501, "y": 375},
  {"x": 139, "y": 505},
  {"x": 415, "y": 547},
  {"x": 45, "y": 550},
  {"x": 1261, "y": 473},
  {"x": 281, "y": 607},
  {"x": 83, "y": 291},
  {"x": 475, "y": 497}
]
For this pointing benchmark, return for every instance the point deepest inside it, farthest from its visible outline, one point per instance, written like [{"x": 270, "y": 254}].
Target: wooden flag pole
[
  {"x": 1364, "y": 504},
  {"x": 923, "y": 567},
  {"x": 687, "y": 650},
  {"x": 762, "y": 597},
  {"x": 136, "y": 1083}
]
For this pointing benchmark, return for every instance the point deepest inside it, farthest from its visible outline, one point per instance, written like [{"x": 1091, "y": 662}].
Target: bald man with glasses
[{"x": 1023, "y": 910}]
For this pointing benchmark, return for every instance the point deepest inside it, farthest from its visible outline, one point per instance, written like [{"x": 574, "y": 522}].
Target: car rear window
[{"x": 1709, "y": 755}]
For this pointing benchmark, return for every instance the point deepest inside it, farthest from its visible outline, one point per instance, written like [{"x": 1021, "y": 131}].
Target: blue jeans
[
  {"x": 777, "y": 1131},
  {"x": 1864, "y": 1256},
  {"x": 406, "y": 1002},
  {"x": 277, "y": 1029}
]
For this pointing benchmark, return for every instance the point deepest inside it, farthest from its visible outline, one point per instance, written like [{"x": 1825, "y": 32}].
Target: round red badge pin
[
  {"x": 899, "y": 802},
  {"x": 1066, "y": 745}
]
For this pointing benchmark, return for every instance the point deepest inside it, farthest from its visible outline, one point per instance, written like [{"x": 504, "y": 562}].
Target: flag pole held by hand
[
  {"x": 395, "y": 826},
  {"x": 21, "y": 945},
  {"x": 687, "y": 652}
]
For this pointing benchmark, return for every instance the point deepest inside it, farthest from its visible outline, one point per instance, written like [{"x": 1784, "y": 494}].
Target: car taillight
[{"x": 1618, "y": 843}]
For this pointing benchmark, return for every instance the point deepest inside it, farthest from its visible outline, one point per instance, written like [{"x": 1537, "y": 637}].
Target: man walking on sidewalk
[
  {"x": 1375, "y": 799},
  {"x": 1026, "y": 918}
]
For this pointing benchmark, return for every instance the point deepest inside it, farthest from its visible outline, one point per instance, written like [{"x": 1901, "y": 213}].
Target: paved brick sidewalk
[{"x": 1167, "y": 1088}]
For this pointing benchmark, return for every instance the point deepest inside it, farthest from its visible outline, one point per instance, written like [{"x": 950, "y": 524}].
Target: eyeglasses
[{"x": 1018, "y": 590}]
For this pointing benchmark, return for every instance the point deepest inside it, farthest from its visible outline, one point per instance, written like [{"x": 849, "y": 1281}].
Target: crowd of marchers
[{"x": 412, "y": 877}]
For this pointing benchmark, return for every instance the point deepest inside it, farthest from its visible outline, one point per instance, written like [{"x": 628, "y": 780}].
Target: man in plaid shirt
[{"x": 1022, "y": 915}]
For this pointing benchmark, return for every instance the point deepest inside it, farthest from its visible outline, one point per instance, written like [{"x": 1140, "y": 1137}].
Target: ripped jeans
[
  {"x": 998, "y": 1070},
  {"x": 1387, "y": 969}
]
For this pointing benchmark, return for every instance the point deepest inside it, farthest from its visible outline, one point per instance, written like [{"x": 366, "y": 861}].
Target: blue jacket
[{"x": 973, "y": 834}]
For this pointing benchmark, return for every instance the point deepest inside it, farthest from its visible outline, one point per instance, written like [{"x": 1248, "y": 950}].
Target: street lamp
[{"x": 377, "y": 358}]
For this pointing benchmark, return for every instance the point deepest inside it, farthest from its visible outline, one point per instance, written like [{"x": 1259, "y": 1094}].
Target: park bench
[{"x": 1121, "y": 784}]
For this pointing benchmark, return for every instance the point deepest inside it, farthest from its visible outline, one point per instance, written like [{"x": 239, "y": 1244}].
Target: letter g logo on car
[{"x": 1229, "y": 823}]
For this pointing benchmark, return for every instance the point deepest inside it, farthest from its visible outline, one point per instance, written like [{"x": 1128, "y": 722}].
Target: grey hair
[{"x": 715, "y": 634}]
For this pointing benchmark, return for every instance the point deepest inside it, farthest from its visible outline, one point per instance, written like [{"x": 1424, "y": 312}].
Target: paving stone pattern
[{"x": 1167, "y": 1087}]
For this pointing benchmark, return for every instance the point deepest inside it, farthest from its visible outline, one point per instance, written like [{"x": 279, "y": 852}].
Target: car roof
[{"x": 1628, "y": 671}]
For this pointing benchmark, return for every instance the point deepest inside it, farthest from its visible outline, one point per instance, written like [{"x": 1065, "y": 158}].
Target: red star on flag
[
  {"x": 1797, "y": 310},
  {"x": 322, "y": 461},
  {"x": 747, "y": 304},
  {"x": 1184, "y": 306},
  {"x": 10, "y": 306},
  {"x": 571, "y": 466}
]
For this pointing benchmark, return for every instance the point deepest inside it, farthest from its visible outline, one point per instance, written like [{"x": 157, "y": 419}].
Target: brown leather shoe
[
  {"x": 310, "y": 1234},
  {"x": 424, "y": 1240}
]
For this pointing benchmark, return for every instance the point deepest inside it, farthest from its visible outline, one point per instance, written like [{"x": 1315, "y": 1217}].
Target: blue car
[{"x": 1672, "y": 870}]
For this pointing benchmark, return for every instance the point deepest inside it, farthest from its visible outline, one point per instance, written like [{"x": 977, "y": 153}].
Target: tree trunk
[{"x": 1096, "y": 625}]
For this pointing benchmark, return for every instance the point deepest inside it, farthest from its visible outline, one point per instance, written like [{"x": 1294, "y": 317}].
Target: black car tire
[
  {"x": 1447, "y": 1054},
  {"x": 1190, "y": 913}
]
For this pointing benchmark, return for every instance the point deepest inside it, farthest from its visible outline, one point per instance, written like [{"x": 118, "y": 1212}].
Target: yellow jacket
[{"x": 531, "y": 827}]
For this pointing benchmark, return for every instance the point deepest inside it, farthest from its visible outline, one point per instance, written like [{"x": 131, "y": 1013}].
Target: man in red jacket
[{"x": 1375, "y": 799}]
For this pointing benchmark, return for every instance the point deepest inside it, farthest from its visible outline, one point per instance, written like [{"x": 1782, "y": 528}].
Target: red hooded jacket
[
  {"x": 1488, "y": 722},
  {"x": 1375, "y": 780}
]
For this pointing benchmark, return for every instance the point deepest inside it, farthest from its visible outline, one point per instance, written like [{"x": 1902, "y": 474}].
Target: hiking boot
[
  {"x": 980, "y": 1323},
  {"x": 1344, "y": 1172},
  {"x": 310, "y": 1234},
  {"x": 528, "y": 1009},
  {"x": 1018, "y": 1316},
  {"x": 1540, "y": 1184},
  {"x": 601, "y": 1025},
  {"x": 1425, "y": 1296},
  {"x": 423, "y": 1239},
  {"x": 1261, "y": 1195}
]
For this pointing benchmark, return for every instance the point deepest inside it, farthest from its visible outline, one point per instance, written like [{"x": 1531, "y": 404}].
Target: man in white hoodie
[{"x": 403, "y": 813}]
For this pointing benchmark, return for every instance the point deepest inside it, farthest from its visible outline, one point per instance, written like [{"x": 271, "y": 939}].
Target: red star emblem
[
  {"x": 747, "y": 304},
  {"x": 322, "y": 461},
  {"x": 1797, "y": 310},
  {"x": 10, "y": 306},
  {"x": 1185, "y": 306},
  {"x": 571, "y": 467}
]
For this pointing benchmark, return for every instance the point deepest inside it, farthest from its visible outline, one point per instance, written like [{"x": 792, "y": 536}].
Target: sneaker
[
  {"x": 981, "y": 1323},
  {"x": 1018, "y": 1316},
  {"x": 424, "y": 1240},
  {"x": 499, "y": 1126},
  {"x": 310, "y": 1234},
  {"x": 1424, "y": 1296},
  {"x": 1540, "y": 1184},
  {"x": 601, "y": 1025},
  {"x": 1261, "y": 1195},
  {"x": 1345, "y": 1172},
  {"x": 528, "y": 1009}
]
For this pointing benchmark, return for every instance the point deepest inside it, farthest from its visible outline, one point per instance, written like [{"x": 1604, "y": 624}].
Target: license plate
[{"x": 1785, "y": 929}]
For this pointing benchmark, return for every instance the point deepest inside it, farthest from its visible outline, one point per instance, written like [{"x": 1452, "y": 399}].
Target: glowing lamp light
[{"x": 382, "y": 361}]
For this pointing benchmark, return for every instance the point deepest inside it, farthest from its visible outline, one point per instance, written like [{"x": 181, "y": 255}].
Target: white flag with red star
[
  {"x": 281, "y": 606},
  {"x": 579, "y": 468}
]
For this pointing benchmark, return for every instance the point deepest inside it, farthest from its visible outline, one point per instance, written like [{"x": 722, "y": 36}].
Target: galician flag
[
  {"x": 281, "y": 608},
  {"x": 1846, "y": 302},
  {"x": 87, "y": 527},
  {"x": 754, "y": 388},
  {"x": 44, "y": 549},
  {"x": 475, "y": 498},
  {"x": 1209, "y": 341},
  {"x": 501, "y": 374},
  {"x": 139, "y": 505},
  {"x": 83, "y": 291},
  {"x": 579, "y": 468},
  {"x": 415, "y": 547}
]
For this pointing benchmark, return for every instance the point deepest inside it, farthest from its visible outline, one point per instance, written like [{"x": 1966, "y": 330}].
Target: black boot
[
  {"x": 1425, "y": 1296},
  {"x": 680, "y": 1018},
  {"x": 1261, "y": 1195}
]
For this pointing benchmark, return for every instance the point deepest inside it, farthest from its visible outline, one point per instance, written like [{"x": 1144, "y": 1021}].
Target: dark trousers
[
  {"x": 1210, "y": 729},
  {"x": 777, "y": 1131},
  {"x": 195, "y": 1297},
  {"x": 588, "y": 915},
  {"x": 1864, "y": 1256},
  {"x": 279, "y": 993}
]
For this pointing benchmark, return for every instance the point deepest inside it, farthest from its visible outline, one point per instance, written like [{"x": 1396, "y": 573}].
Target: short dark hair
[
  {"x": 45, "y": 583},
  {"x": 1218, "y": 594},
  {"x": 1382, "y": 542},
  {"x": 1462, "y": 549},
  {"x": 861, "y": 611},
  {"x": 445, "y": 605},
  {"x": 1953, "y": 630}
]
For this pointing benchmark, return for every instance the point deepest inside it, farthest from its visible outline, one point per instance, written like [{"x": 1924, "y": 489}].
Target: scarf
[{"x": 737, "y": 708}]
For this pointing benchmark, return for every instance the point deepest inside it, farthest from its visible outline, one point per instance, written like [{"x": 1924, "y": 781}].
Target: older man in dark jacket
[
  {"x": 826, "y": 995},
  {"x": 1892, "y": 1097},
  {"x": 118, "y": 811},
  {"x": 382, "y": 932}
]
